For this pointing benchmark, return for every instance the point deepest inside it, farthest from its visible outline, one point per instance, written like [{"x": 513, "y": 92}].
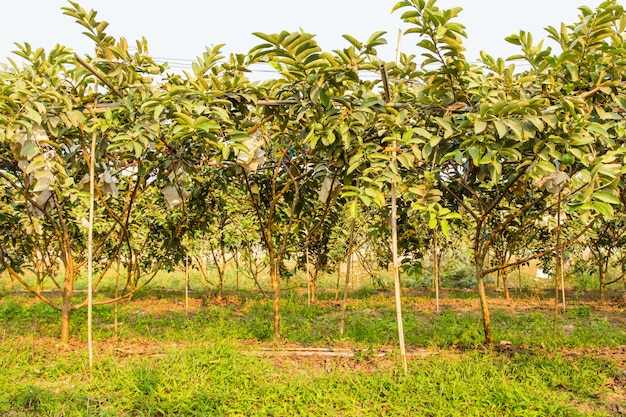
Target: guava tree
[
  {"x": 606, "y": 240},
  {"x": 494, "y": 134},
  {"x": 313, "y": 132},
  {"x": 56, "y": 110}
]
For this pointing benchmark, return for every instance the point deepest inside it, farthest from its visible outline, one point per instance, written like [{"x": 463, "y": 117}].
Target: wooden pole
[
  {"x": 344, "y": 303},
  {"x": 395, "y": 269},
  {"x": 436, "y": 267},
  {"x": 558, "y": 271},
  {"x": 186, "y": 282},
  {"x": 116, "y": 305},
  {"x": 307, "y": 274},
  {"x": 561, "y": 258},
  {"x": 92, "y": 175}
]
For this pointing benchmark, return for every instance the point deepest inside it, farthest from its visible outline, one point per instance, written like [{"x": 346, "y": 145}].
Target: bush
[{"x": 461, "y": 278}]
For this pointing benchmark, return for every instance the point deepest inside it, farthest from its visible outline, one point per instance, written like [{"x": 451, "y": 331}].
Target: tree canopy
[{"x": 498, "y": 142}]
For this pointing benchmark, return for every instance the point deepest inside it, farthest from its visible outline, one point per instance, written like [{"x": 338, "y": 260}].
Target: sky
[{"x": 178, "y": 31}]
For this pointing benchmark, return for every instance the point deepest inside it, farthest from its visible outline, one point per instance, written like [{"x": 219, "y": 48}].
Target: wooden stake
[
  {"x": 115, "y": 306},
  {"x": 395, "y": 270},
  {"x": 436, "y": 267},
  {"x": 348, "y": 271},
  {"x": 92, "y": 175},
  {"x": 559, "y": 255},
  {"x": 186, "y": 282}
]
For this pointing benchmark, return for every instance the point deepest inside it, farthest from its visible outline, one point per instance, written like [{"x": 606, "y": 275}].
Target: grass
[
  {"x": 169, "y": 361},
  {"x": 370, "y": 320},
  {"x": 216, "y": 379}
]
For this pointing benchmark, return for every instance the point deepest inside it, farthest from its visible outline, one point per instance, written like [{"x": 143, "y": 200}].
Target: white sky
[{"x": 180, "y": 29}]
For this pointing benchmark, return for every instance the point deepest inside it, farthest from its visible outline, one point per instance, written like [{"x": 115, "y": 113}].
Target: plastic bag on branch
[
  {"x": 175, "y": 194},
  {"x": 330, "y": 187},
  {"x": 553, "y": 183},
  {"x": 43, "y": 200},
  {"x": 174, "y": 198},
  {"x": 109, "y": 185},
  {"x": 31, "y": 159},
  {"x": 250, "y": 161}
]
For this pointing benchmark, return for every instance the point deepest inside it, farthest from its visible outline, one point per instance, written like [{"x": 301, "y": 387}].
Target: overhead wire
[{"x": 186, "y": 64}]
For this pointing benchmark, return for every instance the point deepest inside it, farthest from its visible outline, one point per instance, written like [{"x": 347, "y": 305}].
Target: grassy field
[{"x": 216, "y": 358}]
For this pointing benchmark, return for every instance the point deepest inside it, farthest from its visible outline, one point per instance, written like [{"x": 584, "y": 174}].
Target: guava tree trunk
[
  {"x": 275, "y": 276},
  {"x": 66, "y": 308},
  {"x": 313, "y": 285},
  {"x": 316, "y": 271},
  {"x": 236, "y": 257},
  {"x": 602, "y": 271},
  {"x": 505, "y": 283},
  {"x": 65, "y": 321},
  {"x": 436, "y": 268},
  {"x": 483, "y": 300},
  {"x": 220, "y": 271}
]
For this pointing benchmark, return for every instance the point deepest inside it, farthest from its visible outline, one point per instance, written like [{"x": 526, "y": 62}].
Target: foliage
[{"x": 486, "y": 149}]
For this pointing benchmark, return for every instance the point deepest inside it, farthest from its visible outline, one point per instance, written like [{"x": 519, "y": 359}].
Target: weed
[
  {"x": 31, "y": 397},
  {"x": 580, "y": 311}
]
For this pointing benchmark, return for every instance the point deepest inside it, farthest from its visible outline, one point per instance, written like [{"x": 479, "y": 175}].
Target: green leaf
[
  {"x": 607, "y": 197},
  {"x": 138, "y": 149},
  {"x": 406, "y": 160},
  {"x": 603, "y": 208},
  {"x": 500, "y": 128},
  {"x": 475, "y": 154},
  {"x": 353, "y": 41},
  {"x": 546, "y": 166},
  {"x": 353, "y": 209},
  {"x": 582, "y": 140},
  {"x": 480, "y": 126},
  {"x": 536, "y": 121},
  {"x": 445, "y": 227},
  {"x": 35, "y": 164},
  {"x": 598, "y": 129},
  {"x": 76, "y": 118},
  {"x": 446, "y": 126},
  {"x": 33, "y": 115},
  {"x": 183, "y": 119},
  {"x": 423, "y": 133},
  {"x": 516, "y": 127}
]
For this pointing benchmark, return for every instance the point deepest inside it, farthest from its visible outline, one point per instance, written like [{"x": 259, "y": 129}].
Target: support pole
[
  {"x": 395, "y": 270},
  {"x": 92, "y": 175}
]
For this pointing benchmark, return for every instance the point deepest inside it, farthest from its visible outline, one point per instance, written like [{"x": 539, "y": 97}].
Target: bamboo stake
[
  {"x": 436, "y": 267},
  {"x": 307, "y": 273},
  {"x": 560, "y": 255},
  {"x": 344, "y": 303},
  {"x": 115, "y": 306},
  {"x": 338, "y": 279},
  {"x": 562, "y": 278},
  {"x": 92, "y": 175},
  {"x": 395, "y": 270},
  {"x": 186, "y": 282},
  {"x": 558, "y": 271}
]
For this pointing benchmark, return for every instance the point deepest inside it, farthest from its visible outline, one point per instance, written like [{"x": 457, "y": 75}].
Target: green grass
[
  {"x": 216, "y": 379},
  {"x": 370, "y": 320},
  {"x": 210, "y": 371}
]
